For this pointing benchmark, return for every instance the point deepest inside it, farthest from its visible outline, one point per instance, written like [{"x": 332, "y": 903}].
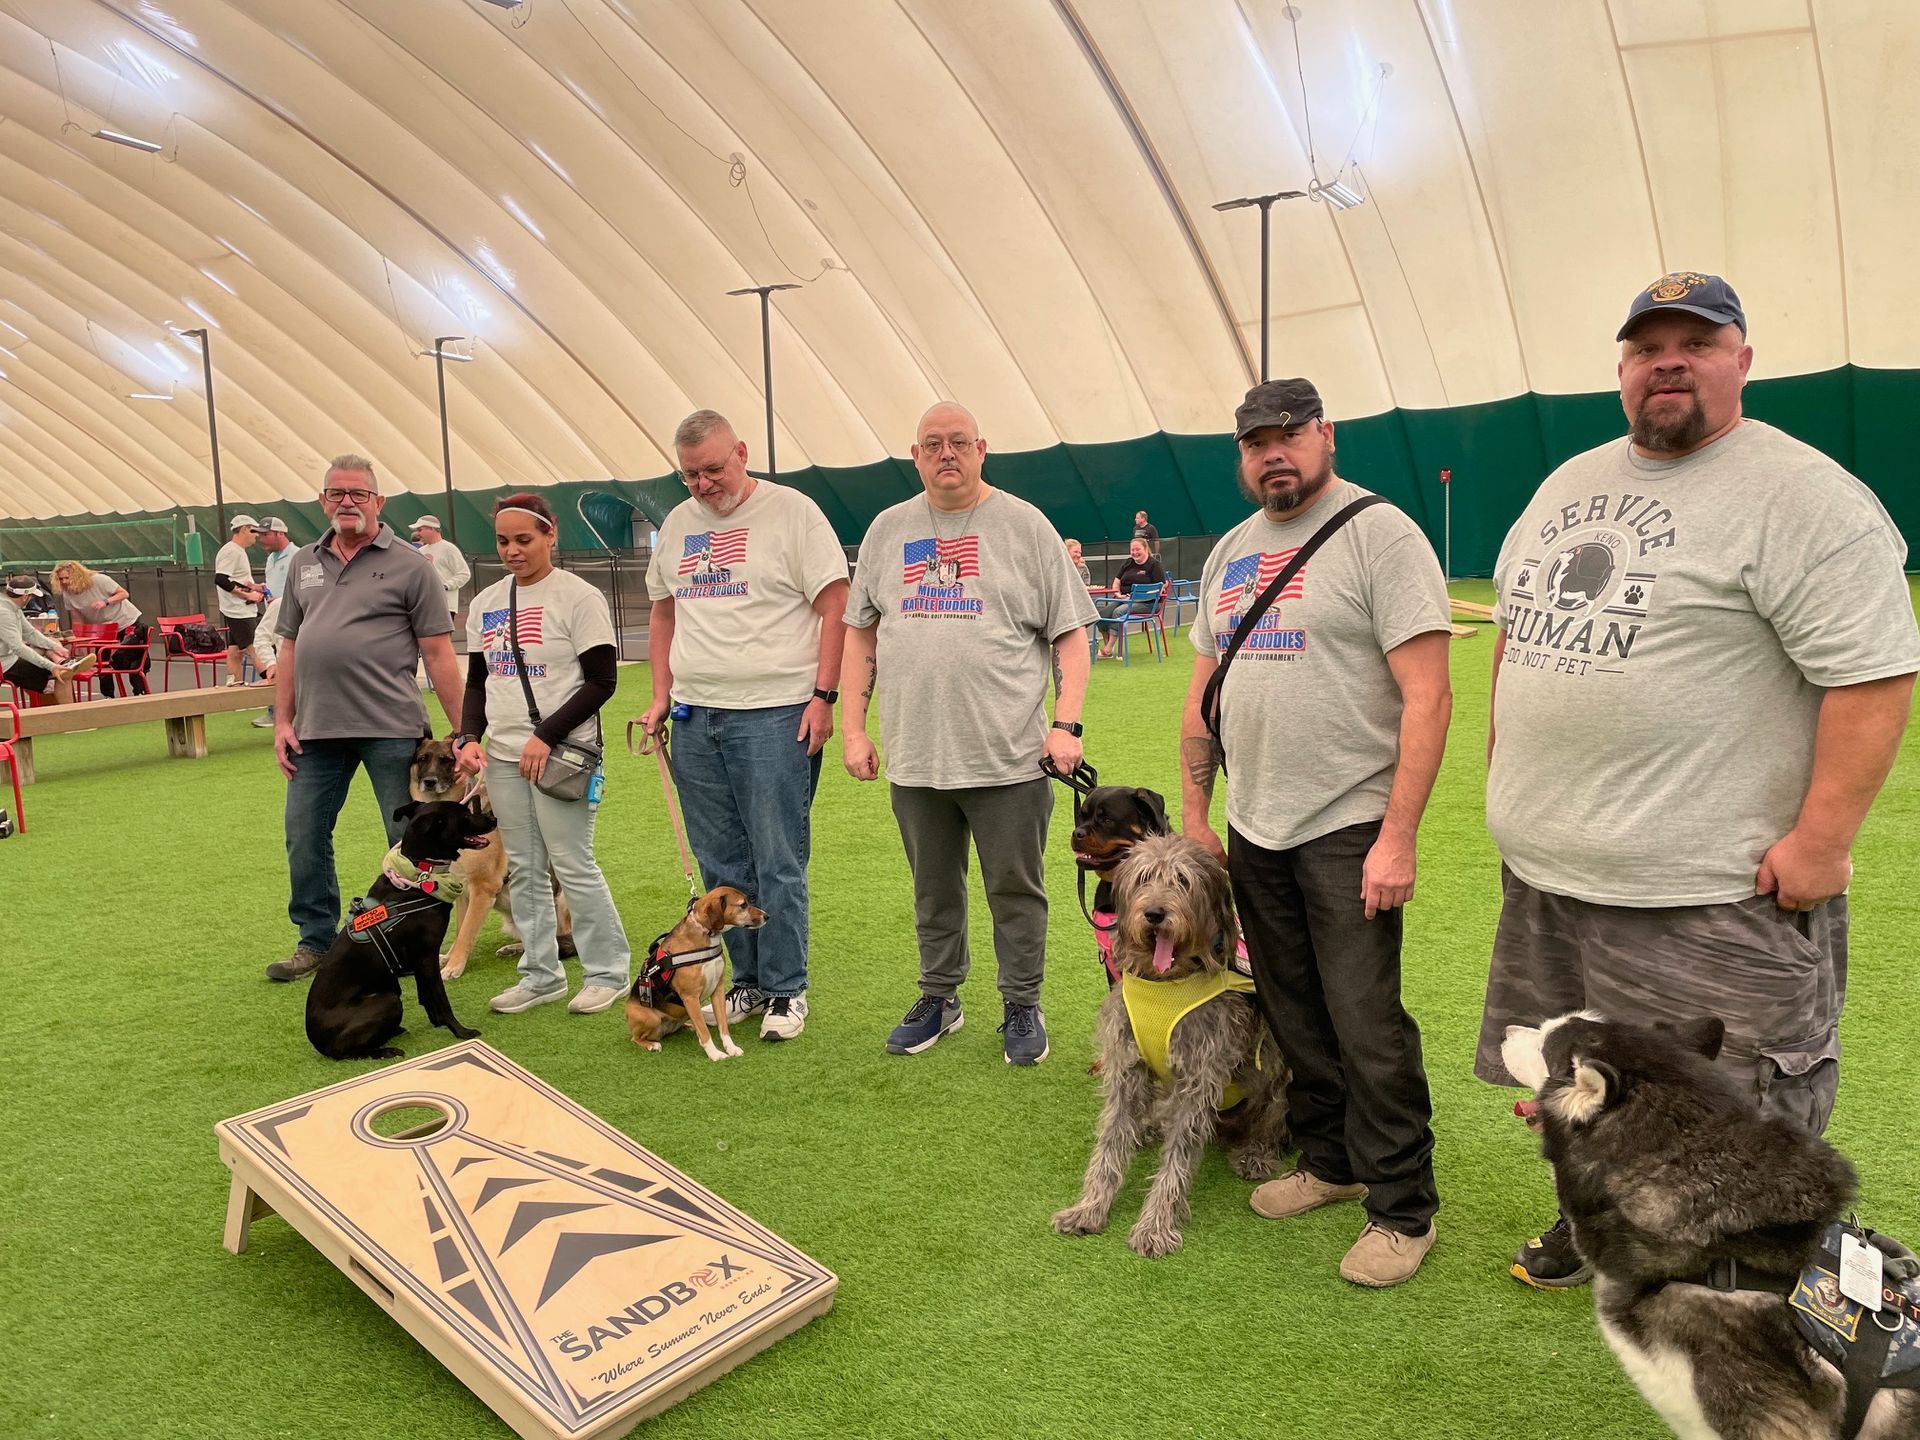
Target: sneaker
[
  {"x": 929, "y": 1019},
  {"x": 1550, "y": 1260},
  {"x": 521, "y": 997},
  {"x": 1297, "y": 1192},
  {"x": 1383, "y": 1257},
  {"x": 786, "y": 1017},
  {"x": 263, "y": 722},
  {"x": 1025, "y": 1029},
  {"x": 742, "y": 1001},
  {"x": 591, "y": 1000},
  {"x": 235, "y": 684},
  {"x": 302, "y": 962}
]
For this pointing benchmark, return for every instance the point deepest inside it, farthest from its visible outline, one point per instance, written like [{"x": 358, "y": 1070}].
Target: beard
[
  {"x": 355, "y": 524},
  {"x": 1679, "y": 433},
  {"x": 1293, "y": 489}
]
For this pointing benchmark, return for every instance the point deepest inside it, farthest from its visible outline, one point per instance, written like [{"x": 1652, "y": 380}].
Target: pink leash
[{"x": 658, "y": 749}]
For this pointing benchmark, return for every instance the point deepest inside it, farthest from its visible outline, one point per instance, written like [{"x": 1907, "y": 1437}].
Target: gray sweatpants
[
  {"x": 1008, "y": 824},
  {"x": 1776, "y": 978},
  {"x": 539, "y": 831}
]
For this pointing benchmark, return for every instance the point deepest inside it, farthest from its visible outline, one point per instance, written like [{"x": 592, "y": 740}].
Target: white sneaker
[
  {"x": 263, "y": 722},
  {"x": 235, "y": 684},
  {"x": 512, "y": 1002},
  {"x": 592, "y": 999},
  {"x": 785, "y": 1018},
  {"x": 742, "y": 1001}
]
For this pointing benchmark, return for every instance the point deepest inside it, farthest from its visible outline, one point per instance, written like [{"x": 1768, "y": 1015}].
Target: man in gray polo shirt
[{"x": 359, "y": 607}]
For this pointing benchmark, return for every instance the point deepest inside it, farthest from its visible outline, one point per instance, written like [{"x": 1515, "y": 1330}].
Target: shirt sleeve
[
  {"x": 590, "y": 624},
  {"x": 863, "y": 605},
  {"x": 1200, "y": 634},
  {"x": 427, "y": 602},
  {"x": 291, "y": 612},
  {"x": 1849, "y": 617},
  {"x": 1409, "y": 592},
  {"x": 822, "y": 561},
  {"x": 659, "y": 572},
  {"x": 1065, "y": 602}
]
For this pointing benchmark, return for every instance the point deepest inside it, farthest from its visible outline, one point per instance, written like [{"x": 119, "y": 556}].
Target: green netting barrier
[{"x": 126, "y": 540}]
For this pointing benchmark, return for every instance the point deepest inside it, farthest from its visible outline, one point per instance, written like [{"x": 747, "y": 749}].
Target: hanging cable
[
  {"x": 1426, "y": 335},
  {"x": 1372, "y": 110},
  {"x": 1299, "y": 68}
]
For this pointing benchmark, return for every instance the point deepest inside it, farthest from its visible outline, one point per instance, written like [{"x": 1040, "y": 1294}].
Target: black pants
[
  {"x": 1328, "y": 980},
  {"x": 135, "y": 637}
]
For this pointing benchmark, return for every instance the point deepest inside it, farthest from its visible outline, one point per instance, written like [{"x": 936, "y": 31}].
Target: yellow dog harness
[{"x": 1154, "y": 1007}]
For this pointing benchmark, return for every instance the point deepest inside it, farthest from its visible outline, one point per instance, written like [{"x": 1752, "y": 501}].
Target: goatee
[
  {"x": 1668, "y": 437},
  {"x": 1295, "y": 492}
]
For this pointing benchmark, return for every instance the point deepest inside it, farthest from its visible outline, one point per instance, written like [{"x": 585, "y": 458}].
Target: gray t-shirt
[
  {"x": 1310, "y": 712},
  {"x": 357, "y": 630},
  {"x": 92, "y": 607},
  {"x": 1670, "y": 626},
  {"x": 967, "y": 622}
]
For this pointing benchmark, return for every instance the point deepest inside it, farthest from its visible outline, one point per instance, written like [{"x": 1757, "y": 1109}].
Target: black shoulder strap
[
  {"x": 513, "y": 641},
  {"x": 1210, "y": 699}
]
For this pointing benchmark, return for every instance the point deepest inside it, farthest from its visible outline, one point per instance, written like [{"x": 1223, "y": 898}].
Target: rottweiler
[
  {"x": 354, "y": 1006},
  {"x": 1108, "y": 821}
]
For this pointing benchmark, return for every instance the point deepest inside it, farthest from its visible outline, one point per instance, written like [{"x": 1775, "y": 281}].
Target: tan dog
[
  {"x": 434, "y": 776},
  {"x": 685, "y": 971}
]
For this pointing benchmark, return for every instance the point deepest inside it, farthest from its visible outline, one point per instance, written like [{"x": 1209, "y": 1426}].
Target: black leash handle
[{"x": 1210, "y": 698}]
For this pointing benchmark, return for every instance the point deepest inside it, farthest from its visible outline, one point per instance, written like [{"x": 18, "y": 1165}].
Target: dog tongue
[
  {"x": 1527, "y": 1110},
  {"x": 1162, "y": 954}
]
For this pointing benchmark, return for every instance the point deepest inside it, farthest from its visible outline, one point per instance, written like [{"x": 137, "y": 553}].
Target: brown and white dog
[
  {"x": 434, "y": 775},
  {"x": 685, "y": 971}
]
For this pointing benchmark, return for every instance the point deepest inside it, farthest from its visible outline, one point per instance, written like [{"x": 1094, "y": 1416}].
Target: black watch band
[
  {"x": 830, "y": 696},
  {"x": 1072, "y": 727}
]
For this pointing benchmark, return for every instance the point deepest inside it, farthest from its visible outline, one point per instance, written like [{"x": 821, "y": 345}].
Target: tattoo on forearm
[
  {"x": 873, "y": 675},
  {"x": 1197, "y": 754},
  {"x": 1059, "y": 677}
]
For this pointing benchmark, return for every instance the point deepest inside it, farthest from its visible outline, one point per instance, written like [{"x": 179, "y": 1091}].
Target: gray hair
[
  {"x": 698, "y": 426},
  {"x": 358, "y": 464}
]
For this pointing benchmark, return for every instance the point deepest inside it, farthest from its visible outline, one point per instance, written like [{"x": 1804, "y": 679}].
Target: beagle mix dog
[{"x": 685, "y": 972}]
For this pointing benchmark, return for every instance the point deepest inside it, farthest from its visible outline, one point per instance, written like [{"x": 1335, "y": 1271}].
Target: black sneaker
[
  {"x": 1025, "y": 1032},
  {"x": 1549, "y": 1261},
  {"x": 929, "y": 1019}
]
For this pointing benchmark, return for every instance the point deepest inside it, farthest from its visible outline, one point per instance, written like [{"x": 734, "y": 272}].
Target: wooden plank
[
  {"x": 23, "y": 758},
  {"x": 572, "y": 1280},
  {"x": 1464, "y": 632},
  {"x": 187, "y": 737},
  {"x": 1468, "y": 607},
  {"x": 142, "y": 709}
]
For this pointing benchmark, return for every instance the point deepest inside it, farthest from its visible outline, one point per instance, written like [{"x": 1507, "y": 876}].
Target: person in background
[
  {"x": 278, "y": 544},
  {"x": 565, "y": 639},
  {"x": 1079, "y": 563},
  {"x": 448, "y": 563},
  {"x": 94, "y": 599},
  {"x": 1139, "y": 568},
  {"x": 239, "y": 597},
  {"x": 1143, "y": 530},
  {"x": 33, "y": 661}
]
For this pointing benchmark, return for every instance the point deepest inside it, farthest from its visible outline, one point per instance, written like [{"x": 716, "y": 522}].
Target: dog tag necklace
[{"x": 933, "y": 519}]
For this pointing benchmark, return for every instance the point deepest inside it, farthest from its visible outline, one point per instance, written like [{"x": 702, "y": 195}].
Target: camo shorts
[{"x": 1775, "y": 977}]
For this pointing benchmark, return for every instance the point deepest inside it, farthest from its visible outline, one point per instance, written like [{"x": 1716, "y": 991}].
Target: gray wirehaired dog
[{"x": 1180, "y": 1045}]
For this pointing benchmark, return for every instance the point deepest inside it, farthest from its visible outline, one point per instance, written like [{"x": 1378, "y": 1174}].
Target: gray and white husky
[{"x": 1666, "y": 1171}]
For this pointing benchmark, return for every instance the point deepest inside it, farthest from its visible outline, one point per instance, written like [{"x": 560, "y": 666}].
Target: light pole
[
  {"x": 766, "y": 357},
  {"x": 213, "y": 427},
  {"x": 1265, "y": 202},
  {"x": 440, "y": 358}
]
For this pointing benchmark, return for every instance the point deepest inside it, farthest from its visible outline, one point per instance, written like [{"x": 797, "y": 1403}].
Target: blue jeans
[
  {"x": 746, "y": 790},
  {"x": 323, "y": 771}
]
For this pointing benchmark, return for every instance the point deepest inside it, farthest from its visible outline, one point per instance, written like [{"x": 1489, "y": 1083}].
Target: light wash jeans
[
  {"x": 540, "y": 831},
  {"x": 746, "y": 789}
]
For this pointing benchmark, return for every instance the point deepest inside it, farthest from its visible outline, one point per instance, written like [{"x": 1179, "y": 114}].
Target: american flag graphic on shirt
[
  {"x": 949, "y": 559},
  {"x": 493, "y": 627},
  {"x": 1246, "y": 579},
  {"x": 718, "y": 549}
]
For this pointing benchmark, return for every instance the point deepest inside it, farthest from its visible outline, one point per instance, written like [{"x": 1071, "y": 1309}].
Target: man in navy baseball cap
[{"x": 1707, "y": 296}]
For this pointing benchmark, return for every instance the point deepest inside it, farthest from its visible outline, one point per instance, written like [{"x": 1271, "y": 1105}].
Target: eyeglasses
[
  {"x": 341, "y": 497},
  {"x": 713, "y": 474},
  {"x": 934, "y": 446}
]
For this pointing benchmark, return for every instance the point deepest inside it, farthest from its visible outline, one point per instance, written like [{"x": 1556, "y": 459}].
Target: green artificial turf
[{"x": 137, "y": 916}]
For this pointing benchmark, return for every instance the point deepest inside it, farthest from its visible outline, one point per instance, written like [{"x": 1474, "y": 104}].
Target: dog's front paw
[
  {"x": 388, "y": 1052},
  {"x": 451, "y": 971},
  {"x": 1080, "y": 1220},
  {"x": 653, "y": 1045},
  {"x": 464, "y": 1032},
  {"x": 511, "y": 949},
  {"x": 732, "y": 1049},
  {"x": 1153, "y": 1238},
  {"x": 714, "y": 1052},
  {"x": 1254, "y": 1164}
]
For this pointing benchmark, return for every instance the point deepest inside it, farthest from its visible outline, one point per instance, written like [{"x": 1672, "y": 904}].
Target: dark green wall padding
[{"x": 1498, "y": 453}]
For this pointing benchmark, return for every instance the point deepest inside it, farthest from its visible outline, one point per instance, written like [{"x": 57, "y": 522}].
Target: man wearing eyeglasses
[
  {"x": 359, "y": 607},
  {"x": 748, "y": 583},
  {"x": 1332, "y": 721}
]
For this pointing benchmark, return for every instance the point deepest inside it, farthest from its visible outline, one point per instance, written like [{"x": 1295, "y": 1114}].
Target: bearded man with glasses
[
  {"x": 748, "y": 584},
  {"x": 359, "y": 609}
]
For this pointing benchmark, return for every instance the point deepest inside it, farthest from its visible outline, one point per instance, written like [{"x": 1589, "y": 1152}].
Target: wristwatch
[
  {"x": 1072, "y": 727},
  {"x": 830, "y": 696},
  {"x": 461, "y": 740}
]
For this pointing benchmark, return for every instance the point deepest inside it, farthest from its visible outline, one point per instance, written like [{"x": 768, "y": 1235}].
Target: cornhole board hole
[{"x": 574, "y": 1282}]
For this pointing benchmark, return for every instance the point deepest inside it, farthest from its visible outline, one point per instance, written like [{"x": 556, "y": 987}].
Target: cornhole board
[
  {"x": 573, "y": 1281},
  {"x": 1468, "y": 608}
]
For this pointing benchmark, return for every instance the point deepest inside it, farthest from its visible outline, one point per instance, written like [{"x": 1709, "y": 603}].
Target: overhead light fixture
[
  {"x": 132, "y": 142},
  {"x": 143, "y": 395},
  {"x": 1336, "y": 194},
  {"x": 507, "y": 4},
  {"x": 437, "y": 354}
]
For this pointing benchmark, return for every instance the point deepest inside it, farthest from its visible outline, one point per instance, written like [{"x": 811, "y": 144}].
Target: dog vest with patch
[
  {"x": 1873, "y": 1350},
  {"x": 1154, "y": 1007},
  {"x": 444, "y": 885},
  {"x": 654, "y": 988}
]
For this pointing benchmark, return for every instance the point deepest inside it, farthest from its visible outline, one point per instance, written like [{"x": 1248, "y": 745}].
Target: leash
[
  {"x": 1082, "y": 780},
  {"x": 657, "y": 747}
]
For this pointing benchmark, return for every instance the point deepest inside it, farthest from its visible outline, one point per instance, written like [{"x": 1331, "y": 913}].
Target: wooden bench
[{"x": 185, "y": 712}]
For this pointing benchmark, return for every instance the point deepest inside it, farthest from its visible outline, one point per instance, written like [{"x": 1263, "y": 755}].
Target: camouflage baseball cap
[
  {"x": 1705, "y": 295},
  {"x": 1277, "y": 402}
]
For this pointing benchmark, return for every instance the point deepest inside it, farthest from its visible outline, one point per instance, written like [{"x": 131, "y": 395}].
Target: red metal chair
[
  {"x": 172, "y": 643},
  {"x": 12, "y": 761},
  {"x": 104, "y": 641}
]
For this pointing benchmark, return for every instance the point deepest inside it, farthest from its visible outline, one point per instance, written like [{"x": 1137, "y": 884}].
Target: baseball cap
[
  {"x": 274, "y": 523},
  {"x": 423, "y": 522},
  {"x": 24, "y": 585},
  {"x": 1277, "y": 402},
  {"x": 240, "y": 520},
  {"x": 1705, "y": 295}
]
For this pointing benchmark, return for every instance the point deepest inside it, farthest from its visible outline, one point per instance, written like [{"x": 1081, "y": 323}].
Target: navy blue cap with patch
[{"x": 1705, "y": 295}]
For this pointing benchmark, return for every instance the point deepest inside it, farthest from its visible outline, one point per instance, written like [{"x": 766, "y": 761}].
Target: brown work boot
[
  {"x": 1297, "y": 1192},
  {"x": 1383, "y": 1257},
  {"x": 302, "y": 962}
]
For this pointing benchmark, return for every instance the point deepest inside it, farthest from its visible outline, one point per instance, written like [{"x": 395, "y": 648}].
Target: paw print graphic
[
  {"x": 1524, "y": 576},
  {"x": 1635, "y": 595}
]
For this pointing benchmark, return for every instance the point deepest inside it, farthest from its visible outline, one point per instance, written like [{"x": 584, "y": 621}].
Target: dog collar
[{"x": 442, "y": 885}]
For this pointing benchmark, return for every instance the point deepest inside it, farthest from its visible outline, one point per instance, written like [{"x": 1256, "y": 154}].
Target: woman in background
[{"x": 95, "y": 599}]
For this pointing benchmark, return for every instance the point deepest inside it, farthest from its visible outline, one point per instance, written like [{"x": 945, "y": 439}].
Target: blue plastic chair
[{"x": 1143, "y": 609}]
